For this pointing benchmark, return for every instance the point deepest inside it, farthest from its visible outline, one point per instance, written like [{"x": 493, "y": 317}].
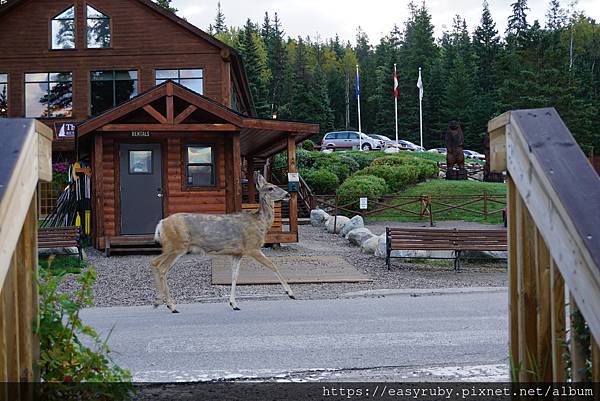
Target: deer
[{"x": 236, "y": 235}]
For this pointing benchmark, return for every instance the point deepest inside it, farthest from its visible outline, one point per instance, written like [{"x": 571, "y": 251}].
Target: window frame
[
  {"x": 178, "y": 79},
  {"x": 186, "y": 164},
  {"x": 7, "y": 91},
  {"x": 151, "y": 172},
  {"x": 75, "y": 27},
  {"x": 48, "y": 81},
  {"x": 114, "y": 89},
  {"x": 110, "y": 26}
]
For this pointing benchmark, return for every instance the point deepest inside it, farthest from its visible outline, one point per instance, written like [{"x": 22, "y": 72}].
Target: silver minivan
[{"x": 350, "y": 140}]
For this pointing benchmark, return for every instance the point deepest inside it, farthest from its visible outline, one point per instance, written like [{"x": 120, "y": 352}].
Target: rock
[
  {"x": 318, "y": 217},
  {"x": 423, "y": 254},
  {"x": 339, "y": 223},
  {"x": 358, "y": 235},
  {"x": 354, "y": 223},
  {"x": 381, "y": 249},
  {"x": 441, "y": 175},
  {"x": 370, "y": 245},
  {"x": 391, "y": 149}
]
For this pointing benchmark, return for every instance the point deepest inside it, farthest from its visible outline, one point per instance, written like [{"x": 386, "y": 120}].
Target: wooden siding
[{"x": 142, "y": 39}]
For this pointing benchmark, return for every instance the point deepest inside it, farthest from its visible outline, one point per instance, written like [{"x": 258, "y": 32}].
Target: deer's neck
[{"x": 266, "y": 212}]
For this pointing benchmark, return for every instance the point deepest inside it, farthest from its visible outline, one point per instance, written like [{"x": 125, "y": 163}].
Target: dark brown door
[{"x": 141, "y": 188}]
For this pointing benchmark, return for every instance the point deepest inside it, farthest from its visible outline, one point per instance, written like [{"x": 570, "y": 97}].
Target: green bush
[
  {"x": 361, "y": 186},
  {"x": 364, "y": 159},
  {"x": 419, "y": 169},
  {"x": 322, "y": 181},
  {"x": 308, "y": 145},
  {"x": 64, "y": 352}
]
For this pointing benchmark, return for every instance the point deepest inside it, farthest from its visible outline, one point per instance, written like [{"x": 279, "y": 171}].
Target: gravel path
[{"x": 127, "y": 280}]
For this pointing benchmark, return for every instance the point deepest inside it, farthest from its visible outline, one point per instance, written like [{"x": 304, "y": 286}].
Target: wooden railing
[{"x": 554, "y": 247}]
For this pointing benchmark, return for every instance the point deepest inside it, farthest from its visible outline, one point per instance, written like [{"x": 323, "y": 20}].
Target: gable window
[
  {"x": 199, "y": 166},
  {"x": 111, "y": 88},
  {"x": 190, "y": 78},
  {"x": 98, "y": 29},
  {"x": 49, "y": 94},
  {"x": 63, "y": 30},
  {"x": 3, "y": 95}
]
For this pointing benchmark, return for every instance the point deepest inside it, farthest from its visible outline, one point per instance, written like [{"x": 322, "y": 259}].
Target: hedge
[
  {"x": 359, "y": 186},
  {"x": 321, "y": 181}
]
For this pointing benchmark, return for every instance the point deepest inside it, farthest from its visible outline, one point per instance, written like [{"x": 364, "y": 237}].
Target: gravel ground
[{"x": 127, "y": 280}]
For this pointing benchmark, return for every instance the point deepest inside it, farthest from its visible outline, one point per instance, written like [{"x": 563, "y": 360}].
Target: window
[
  {"x": 98, "y": 29},
  {"x": 190, "y": 78},
  {"x": 49, "y": 94},
  {"x": 140, "y": 162},
  {"x": 3, "y": 95},
  {"x": 63, "y": 30},
  {"x": 200, "y": 171},
  {"x": 111, "y": 88}
]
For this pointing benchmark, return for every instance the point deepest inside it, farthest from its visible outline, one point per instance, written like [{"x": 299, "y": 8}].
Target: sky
[{"x": 324, "y": 18}]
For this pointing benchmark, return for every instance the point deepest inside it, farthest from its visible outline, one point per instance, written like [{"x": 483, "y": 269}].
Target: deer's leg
[
  {"x": 156, "y": 266},
  {"x": 262, "y": 259},
  {"x": 162, "y": 268},
  {"x": 235, "y": 270}
]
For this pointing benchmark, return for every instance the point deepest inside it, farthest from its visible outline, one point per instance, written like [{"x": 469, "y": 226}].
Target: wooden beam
[
  {"x": 226, "y": 82},
  {"x": 578, "y": 351},
  {"x": 169, "y": 128},
  {"x": 237, "y": 172},
  {"x": 98, "y": 175},
  {"x": 154, "y": 113},
  {"x": 513, "y": 322},
  {"x": 250, "y": 178},
  {"x": 292, "y": 168},
  {"x": 45, "y": 136},
  {"x": 595, "y": 360},
  {"x": 544, "y": 327},
  {"x": 170, "y": 110},
  {"x": 557, "y": 320},
  {"x": 185, "y": 114}
]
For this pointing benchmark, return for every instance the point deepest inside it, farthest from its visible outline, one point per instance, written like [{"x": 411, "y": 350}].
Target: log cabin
[{"x": 160, "y": 110}]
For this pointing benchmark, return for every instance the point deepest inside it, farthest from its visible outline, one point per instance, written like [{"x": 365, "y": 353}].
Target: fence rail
[{"x": 421, "y": 207}]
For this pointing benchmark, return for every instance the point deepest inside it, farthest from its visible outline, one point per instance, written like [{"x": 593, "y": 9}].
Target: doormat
[{"x": 295, "y": 269}]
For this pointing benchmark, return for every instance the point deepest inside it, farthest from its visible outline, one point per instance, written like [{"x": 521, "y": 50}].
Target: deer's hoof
[
  {"x": 175, "y": 311},
  {"x": 234, "y": 307},
  {"x": 292, "y": 296}
]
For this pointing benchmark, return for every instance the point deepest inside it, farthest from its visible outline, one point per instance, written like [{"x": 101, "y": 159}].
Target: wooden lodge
[{"x": 159, "y": 110}]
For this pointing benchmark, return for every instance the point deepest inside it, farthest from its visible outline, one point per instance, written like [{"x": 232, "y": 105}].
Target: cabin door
[{"x": 141, "y": 188}]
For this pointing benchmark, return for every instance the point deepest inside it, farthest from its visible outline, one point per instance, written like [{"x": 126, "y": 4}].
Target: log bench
[
  {"x": 423, "y": 239},
  {"x": 60, "y": 237}
]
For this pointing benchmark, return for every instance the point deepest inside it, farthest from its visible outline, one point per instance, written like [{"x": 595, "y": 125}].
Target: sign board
[
  {"x": 65, "y": 130},
  {"x": 293, "y": 177},
  {"x": 143, "y": 134},
  {"x": 364, "y": 203}
]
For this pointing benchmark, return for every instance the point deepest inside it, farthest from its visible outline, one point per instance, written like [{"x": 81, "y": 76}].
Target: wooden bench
[
  {"x": 422, "y": 239},
  {"x": 60, "y": 237}
]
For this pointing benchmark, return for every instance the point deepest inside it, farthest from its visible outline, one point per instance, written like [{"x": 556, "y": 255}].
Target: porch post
[
  {"x": 98, "y": 192},
  {"x": 237, "y": 172},
  {"x": 292, "y": 168},
  {"x": 250, "y": 178}
]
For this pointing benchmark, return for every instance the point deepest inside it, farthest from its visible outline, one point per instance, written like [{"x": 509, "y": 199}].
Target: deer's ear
[{"x": 259, "y": 180}]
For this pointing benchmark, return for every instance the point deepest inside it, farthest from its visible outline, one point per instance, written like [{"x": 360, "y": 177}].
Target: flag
[
  {"x": 420, "y": 85},
  {"x": 357, "y": 83},
  {"x": 395, "y": 82}
]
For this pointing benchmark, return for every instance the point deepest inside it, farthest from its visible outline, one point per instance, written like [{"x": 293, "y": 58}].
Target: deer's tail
[{"x": 157, "y": 232}]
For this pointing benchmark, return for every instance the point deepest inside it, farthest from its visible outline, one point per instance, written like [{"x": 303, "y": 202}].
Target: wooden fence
[
  {"x": 25, "y": 159},
  {"x": 554, "y": 248},
  {"x": 423, "y": 207}
]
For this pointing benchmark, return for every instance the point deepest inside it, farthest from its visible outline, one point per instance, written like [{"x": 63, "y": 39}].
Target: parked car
[
  {"x": 389, "y": 143},
  {"x": 350, "y": 139},
  {"x": 411, "y": 146},
  {"x": 471, "y": 154},
  {"x": 442, "y": 151}
]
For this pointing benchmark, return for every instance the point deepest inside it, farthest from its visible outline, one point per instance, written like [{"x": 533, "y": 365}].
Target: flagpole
[
  {"x": 358, "y": 101},
  {"x": 396, "y": 99},
  {"x": 421, "y": 106}
]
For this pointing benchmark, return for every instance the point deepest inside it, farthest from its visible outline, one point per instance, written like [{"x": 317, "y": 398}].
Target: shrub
[
  {"x": 361, "y": 186},
  {"x": 322, "y": 181},
  {"x": 335, "y": 165},
  {"x": 308, "y": 145},
  {"x": 364, "y": 159}
]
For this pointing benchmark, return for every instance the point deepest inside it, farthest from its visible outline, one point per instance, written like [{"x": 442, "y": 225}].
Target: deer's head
[{"x": 269, "y": 191}]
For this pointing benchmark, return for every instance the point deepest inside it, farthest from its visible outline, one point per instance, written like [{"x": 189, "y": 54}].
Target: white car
[
  {"x": 442, "y": 151},
  {"x": 471, "y": 154},
  {"x": 412, "y": 146}
]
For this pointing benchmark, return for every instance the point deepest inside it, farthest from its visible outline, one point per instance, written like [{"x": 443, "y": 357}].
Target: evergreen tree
[
  {"x": 516, "y": 31},
  {"x": 556, "y": 16},
  {"x": 166, "y": 4},
  {"x": 219, "y": 26},
  {"x": 255, "y": 61}
]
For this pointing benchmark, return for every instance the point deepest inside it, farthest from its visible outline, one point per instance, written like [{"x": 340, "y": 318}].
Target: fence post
[
  {"x": 430, "y": 211},
  {"x": 335, "y": 211}
]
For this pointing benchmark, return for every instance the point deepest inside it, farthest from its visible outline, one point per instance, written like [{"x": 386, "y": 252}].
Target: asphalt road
[{"x": 369, "y": 338}]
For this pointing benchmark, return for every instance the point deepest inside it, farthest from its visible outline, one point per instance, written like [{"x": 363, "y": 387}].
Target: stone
[
  {"x": 339, "y": 223},
  {"x": 358, "y": 235},
  {"x": 318, "y": 217},
  {"x": 354, "y": 223},
  {"x": 369, "y": 246},
  {"x": 381, "y": 249}
]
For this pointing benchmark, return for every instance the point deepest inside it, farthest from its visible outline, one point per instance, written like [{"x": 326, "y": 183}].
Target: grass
[
  {"x": 63, "y": 264},
  {"x": 443, "y": 188}
]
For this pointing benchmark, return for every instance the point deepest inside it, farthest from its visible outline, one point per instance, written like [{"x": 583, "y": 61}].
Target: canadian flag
[{"x": 395, "y": 82}]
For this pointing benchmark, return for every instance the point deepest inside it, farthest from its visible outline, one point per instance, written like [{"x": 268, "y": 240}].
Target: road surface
[{"x": 394, "y": 338}]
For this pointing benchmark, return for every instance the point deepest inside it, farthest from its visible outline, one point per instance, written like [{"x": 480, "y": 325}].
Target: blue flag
[{"x": 357, "y": 83}]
